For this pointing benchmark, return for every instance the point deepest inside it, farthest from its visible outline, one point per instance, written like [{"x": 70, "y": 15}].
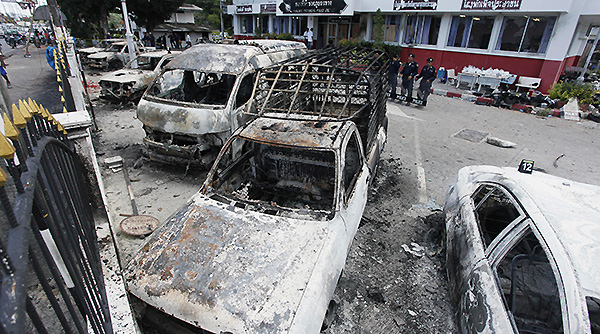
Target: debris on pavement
[
  {"x": 114, "y": 163},
  {"x": 500, "y": 142},
  {"x": 556, "y": 160}
]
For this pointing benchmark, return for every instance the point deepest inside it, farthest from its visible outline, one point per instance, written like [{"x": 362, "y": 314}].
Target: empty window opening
[
  {"x": 271, "y": 179},
  {"x": 494, "y": 210},
  {"x": 593, "y": 305},
  {"x": 193, "y": 86},
  {"x": 352, "y": 166},
  {"x": 529, "y": 288}
]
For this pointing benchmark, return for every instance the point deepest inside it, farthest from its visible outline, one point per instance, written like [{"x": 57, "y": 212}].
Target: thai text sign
[
  {"x": 491, "y": 4},
  {"x": 312, "y": 6},
  {"x": 415, "y": 4}
]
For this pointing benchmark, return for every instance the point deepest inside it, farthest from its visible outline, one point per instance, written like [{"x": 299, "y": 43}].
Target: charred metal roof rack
[{"x": 332, "y": 84}]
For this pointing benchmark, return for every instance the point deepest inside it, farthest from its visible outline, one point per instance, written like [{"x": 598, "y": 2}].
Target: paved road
[
  {"x": 32, "y": 77},
  {"x": 426, "y": 138}
]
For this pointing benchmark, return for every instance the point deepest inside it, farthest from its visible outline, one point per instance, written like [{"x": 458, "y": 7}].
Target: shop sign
[
  {"x": 415, "y": 4},
  {"x": 491, "y": 4},
  {"x": 243, "y": 9},
  {"x": 312, "y": 6},
  {"x": 268, "y": 8}
]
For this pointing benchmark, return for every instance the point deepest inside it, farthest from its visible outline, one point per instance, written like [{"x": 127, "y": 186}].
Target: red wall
[{"x": 548, "y": 70}]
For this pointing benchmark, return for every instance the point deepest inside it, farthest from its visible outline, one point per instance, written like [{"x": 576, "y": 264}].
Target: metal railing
[{"x": 49, "y": 259}]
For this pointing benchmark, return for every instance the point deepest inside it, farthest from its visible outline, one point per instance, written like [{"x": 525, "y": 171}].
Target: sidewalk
[{"x": 32, "y": 77}]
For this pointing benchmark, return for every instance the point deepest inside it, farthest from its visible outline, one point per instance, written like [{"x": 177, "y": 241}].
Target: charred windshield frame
[
  {"x": 275, "y": 180},
  {"x": 193, "y": 87}
]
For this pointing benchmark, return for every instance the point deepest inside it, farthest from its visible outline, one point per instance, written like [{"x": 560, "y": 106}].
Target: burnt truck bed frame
[{"x": 334, "y": 84}]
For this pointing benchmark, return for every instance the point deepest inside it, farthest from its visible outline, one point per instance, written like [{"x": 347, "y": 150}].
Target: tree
[
  {"x": 210, "y": 15},
  {"x": 149, "y": 14},
  {"x": 378, "y": 23},
  {"x": 87, "y": 18}
]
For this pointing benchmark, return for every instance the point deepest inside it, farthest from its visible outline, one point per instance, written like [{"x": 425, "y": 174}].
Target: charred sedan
[
  {"x": 260, "y": 248},
  {"x": 113, "y": 57},
  {"x": 522, "y": 252},
  {"x": 130, "y": 83}
]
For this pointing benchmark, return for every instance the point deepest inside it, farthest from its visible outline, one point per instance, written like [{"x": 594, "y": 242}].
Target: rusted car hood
[
  {"x": 123, "y": 76},
  {"x": 181, "y": 117},
  {"x": 100, "y": 55},
  {"x": 91, "y": 50},
  {"x": 227, "y": 269}
]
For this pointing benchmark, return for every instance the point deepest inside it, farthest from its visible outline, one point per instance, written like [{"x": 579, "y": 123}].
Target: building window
[
  {"x": 392, "y": 28},
  {"x": 422, "y": 29},
  {"x": 529, "y": 34},
  {"x": 299, "y": 25},
  {"x": 247, "y": 24},
  {"x": 265, "y": 24},
  {"x": 471, "y": 31},
  {"x": 281, "y": 25}
]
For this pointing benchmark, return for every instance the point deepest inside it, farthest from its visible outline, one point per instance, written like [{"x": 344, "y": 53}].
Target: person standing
[
  {"x": 309, "y": 39},
  {"x": 410, "y": 69},
  {"x": 393, "y": 76},
  {"x": 305, "y": 35},
  {"x": 188, "y": 40},
  {"x": 427, "y": 75}
]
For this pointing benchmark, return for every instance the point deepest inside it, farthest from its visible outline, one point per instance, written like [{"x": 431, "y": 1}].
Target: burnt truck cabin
[{"x": 332, "y": 84}]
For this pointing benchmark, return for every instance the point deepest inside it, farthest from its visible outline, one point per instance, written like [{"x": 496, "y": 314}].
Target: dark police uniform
[
  {"x": 393, "y": 77},
  {"x": 409, "y": 70},
  {"x": 428, "y": 74}
]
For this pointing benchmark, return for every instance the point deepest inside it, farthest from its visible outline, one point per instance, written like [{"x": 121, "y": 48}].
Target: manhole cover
[
  {"x": 471, "y": 135},
  {"x": 139, "y": 225}
]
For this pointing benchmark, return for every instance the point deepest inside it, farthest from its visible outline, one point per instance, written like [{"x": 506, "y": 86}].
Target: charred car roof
[
  {"x": 228, "y": 58},
  {"x": 571, "y": 210},
  {"x": 311, "y": 133}
]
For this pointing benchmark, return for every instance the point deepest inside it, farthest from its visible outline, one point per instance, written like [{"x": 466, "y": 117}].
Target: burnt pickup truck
[{"x": 260, "y": 248}]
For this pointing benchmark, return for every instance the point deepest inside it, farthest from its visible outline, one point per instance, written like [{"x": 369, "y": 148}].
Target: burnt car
[
  {"x": 113, "y": 57},
  {"x": 129, "y": 84},
  {"x": 261, "y": 246},
  {"x": 101, "y": 46},
  {"x": 194, "y": 105},
  {"x": 522, "y": 252}
]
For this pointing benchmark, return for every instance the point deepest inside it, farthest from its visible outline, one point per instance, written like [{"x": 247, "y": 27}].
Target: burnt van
[{"x": 200, "y": 97}]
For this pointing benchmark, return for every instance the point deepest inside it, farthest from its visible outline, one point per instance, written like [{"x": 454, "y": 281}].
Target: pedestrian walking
[
  {"x": 394, "y": 69},
  {"x": 427, "y": 75},
  {"x": 410, "y": 69}
]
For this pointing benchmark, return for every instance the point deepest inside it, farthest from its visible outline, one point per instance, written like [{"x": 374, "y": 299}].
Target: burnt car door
[
  {"x": 354, "y": 185},
  {"x": 527, "y": 279},
  {"x": 488, "y": 215}
]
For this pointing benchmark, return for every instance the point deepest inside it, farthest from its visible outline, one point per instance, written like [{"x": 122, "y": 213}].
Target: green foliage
[
  {"x": 378, "y": 24},
  {"x": 210, "y": 14},
  {"x": 388, "y": 48},
  {"x": 87, "y": 18},
  {"x": 565, "y": 90},
  {"x": 285, "y": 36},
  {"x": 149, "y": 14}
]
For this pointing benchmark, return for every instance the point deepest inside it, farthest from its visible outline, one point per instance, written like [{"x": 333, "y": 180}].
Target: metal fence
[{"x": 49, "y": 260}]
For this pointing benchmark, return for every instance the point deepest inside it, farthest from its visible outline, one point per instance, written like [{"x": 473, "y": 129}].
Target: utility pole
[
  {"x": 222, "y": 26},
  {"x": 128, "y": 34}
]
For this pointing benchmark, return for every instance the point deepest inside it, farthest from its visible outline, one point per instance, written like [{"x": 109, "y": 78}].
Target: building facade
[{"x": 534, "y": 38}]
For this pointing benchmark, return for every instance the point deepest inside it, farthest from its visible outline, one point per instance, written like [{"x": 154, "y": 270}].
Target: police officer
[
  {"x": 427, "y": 75},
  {"x": 411, "y": 68},
  {"x": 393, "y": 76}
]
